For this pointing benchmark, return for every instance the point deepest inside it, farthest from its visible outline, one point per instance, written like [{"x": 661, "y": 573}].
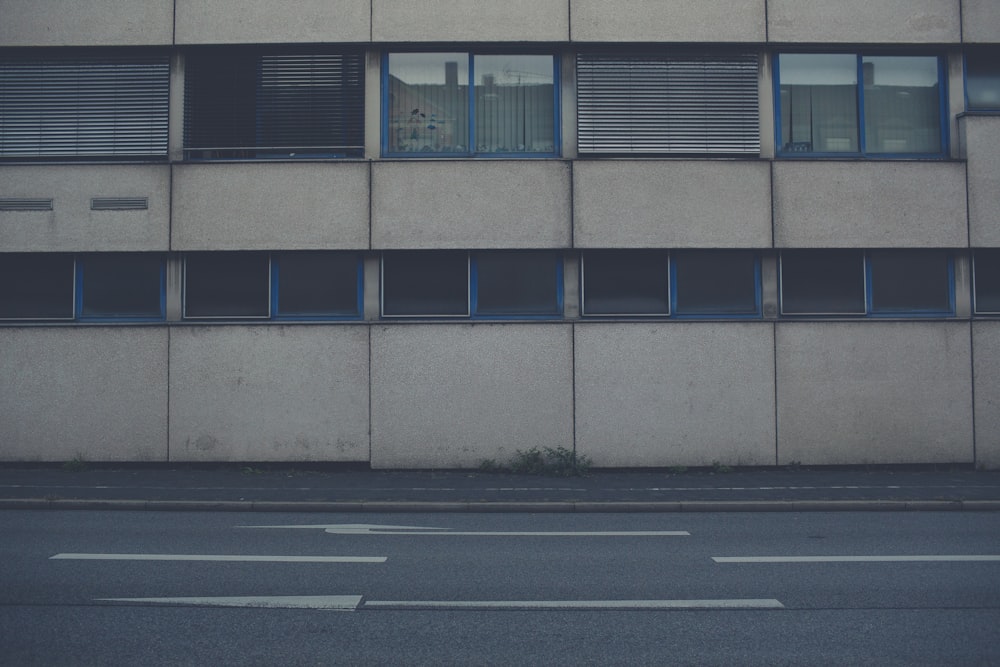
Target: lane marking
[
  {"x": 225, "y": 558},
  {"x": 332, "y": 602},
  {"x": 374, "y": 529},
  {"x": 636, "y": 605},
  {"x": 854, "y": 559}
]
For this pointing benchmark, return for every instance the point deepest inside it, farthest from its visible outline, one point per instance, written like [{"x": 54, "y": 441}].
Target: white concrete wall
[
  {"x": 269, "y": 393},
  {"x": 874, "y": 392},
  {"x": 71, "y": 225},
  {"x": 864, "y": 21},
  {"x": 981, "y": 21},
  {"x": 223, "y": 206},
  {"x": 981, "y": 141},
  {"x": 93, "y": 393},
  {"x": 470, "y": 204},
  {"x": 675, "y": 394},
  {"x": 86, "y": 23},
  {"x": 454, "y": 395},
  {"x": 673, "y": 21},
  {"x": 470, "y": 21},
  {"x": 671, "y": 204},
  {"x": 986, "y": 375},
  {"x": 873, "y": 204},
  {"x": 266, "y": 21}
]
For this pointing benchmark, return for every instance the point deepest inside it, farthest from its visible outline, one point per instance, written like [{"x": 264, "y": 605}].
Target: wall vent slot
[
  {"x": 119, "y": 203},
  {"x": 24, "y": 204}
]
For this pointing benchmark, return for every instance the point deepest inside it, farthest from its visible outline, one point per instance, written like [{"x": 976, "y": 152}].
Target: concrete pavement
[{"x": 318, "y": 488}]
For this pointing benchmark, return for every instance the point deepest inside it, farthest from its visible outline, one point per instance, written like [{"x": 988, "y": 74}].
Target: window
[
  {"x": 292, "y": 103},
  {"x": 668, "y": 103},
  {"x": 462, "y": 104},
  {"x": 982, "y": 79},
  {"x": 875, "y": 282},
  {"x": 843, "y": 103},
  {"x": 626, "y": 282},
  {"x": 452, "y": 283},
  {"x": 82, "y": 106},
  {"x": 986, "y": 280},
  {"x": 720, "y": 283},
  {"x": 105, "y": 286},
  {"x": 282, "y": 285}
]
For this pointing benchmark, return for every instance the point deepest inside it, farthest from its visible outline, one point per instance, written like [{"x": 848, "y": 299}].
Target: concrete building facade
[{"x": 423, "y": 235}]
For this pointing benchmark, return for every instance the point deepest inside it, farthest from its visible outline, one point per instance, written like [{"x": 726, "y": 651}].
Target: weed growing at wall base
[{"x": 554, "y": 462}]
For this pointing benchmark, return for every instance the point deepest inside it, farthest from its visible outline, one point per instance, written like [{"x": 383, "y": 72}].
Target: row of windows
[
  {"x": 308, "y": 102},
  {"x": 304, "y": 285}
]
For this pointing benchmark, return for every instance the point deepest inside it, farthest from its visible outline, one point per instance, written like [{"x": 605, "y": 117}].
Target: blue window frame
[
  {"x": 846, "y": 104},
  {"x": 982, "y": 79},
  {"x": 463, "y": 104}
]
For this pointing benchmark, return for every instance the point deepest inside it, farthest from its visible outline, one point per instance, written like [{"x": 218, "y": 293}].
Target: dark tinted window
[
  {"x": 986, "y": 267},
  {"x": 517, "y": 283},
  {"x": 36, "y": 286},
  {"x": 226, "y": 284},
  {"x": 121, "y": 285},
  {"x": 719, "y": 282},
  {"x": 626, "y": 282},
  {"x": 434, "y": 282},
  {"x": 822, "y": 282},
  {"x": 910, "y": 281},
  {"x": 317, "y": 283}
]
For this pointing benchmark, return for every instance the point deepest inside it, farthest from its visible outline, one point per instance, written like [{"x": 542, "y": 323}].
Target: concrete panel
[
  {"x": 93, "y": 393},
  {"x": 675, "y": 21},
  {"x": 982, "y": 150},
  {"x": 451, "y": 396},
  {"x": 265, "y": 21},
  {"x": 675, "y": 203},
  {"x": 986, "y": 375},
  {"x": 874, "y": 392},
  {"x": 71, "y": 225},
  {"x": 270, "y": 206},
  {"x": 471, "y": 204},
  {"x": 829, "y": 204},
  {"x": 675, "y": 393},
  {"x": 90, "y": 23},
  {"x": 269, "y": 393},
  {"x": 981, "y": 21},
  {"x": 864, "y": 21},
  {"x": 470, "y": 21}
]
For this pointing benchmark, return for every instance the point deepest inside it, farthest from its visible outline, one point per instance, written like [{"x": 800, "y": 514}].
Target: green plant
[
  {"x": 720, "y": 467},
  {"x": 75, "y": 464},
  {"x": 554, "y": 462}
]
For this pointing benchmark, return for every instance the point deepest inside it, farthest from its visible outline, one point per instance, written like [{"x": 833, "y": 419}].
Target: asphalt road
[{"x": 152, "y": 588}]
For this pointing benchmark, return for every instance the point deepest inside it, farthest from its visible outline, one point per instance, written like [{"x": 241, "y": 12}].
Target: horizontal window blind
[
  {"x": 684, "y": 103},
  {"x": 253, "y": 104},
  {"x": 83, "y": 106}
]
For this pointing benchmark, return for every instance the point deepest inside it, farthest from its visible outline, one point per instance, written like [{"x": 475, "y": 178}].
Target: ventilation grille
[
  {"x": 24, "y": 204},
  {"x": 119, "y": 203}
]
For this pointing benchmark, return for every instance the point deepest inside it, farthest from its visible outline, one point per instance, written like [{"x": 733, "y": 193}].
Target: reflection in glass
[
  {"x": 428, "y": 102},
  {"x": 514, "y": 104},
  {"x": 819, "y": 102},
  {"x": 982, "y": 78},
  {"x": 902, "y": 104}
]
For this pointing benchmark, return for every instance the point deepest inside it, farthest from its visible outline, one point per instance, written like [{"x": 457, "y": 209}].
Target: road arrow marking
[
  {"x": 208, "y": 557},
  {"x": 852, "y": 559},
  {"x": 574, "y": 604},
  {"x": 374, "y": 529},
  {"x": 332, "y": 602}
]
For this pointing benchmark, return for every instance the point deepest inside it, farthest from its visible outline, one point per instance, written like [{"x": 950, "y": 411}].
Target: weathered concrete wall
[
  {"x": 94, "y": 393},
  {"x": 674, "y": 21},
  {"x": 71, "y": 225},
  {"x": 470, "y": 204},
  {"x": 90, "y": 23},
  {"x": 257, "y": 21},
  {"x": 453, "y": 395},
  {"x": 981, "y": 141},
  {"x": 981, "y": 21},
  {"x": 874, "y": 392},
  {"x": 470, "y": 21},
  {"x": 305, "y": 206},
  {"x": 824, "y": 204},
  {"x": 986, "y": 375},
  {"x": 863, "y": 21},
  {"x": 671, "y": 204},
  {"x": 675, "y": 394},
  {"x": 269, "y": 393}
]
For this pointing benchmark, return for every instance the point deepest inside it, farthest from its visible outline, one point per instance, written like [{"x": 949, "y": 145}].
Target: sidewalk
[{"x": 337, "y": 489}]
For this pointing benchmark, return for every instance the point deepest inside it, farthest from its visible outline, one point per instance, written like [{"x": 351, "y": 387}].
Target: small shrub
[
  {"x": 75, "y": 464},
  {"x": 549, "y": 461},
  {"x": 721, "y": 467}
]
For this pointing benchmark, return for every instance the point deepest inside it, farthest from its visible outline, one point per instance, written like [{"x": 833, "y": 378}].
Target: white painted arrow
[
  {"x": 375, "y": 529},
  {"x": 332, "y": 602}
]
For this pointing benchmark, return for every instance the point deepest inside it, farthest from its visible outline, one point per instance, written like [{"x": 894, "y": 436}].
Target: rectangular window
[
  {"x": 121, "y": 286},
  {"x": 910, "y": 281},
  {"x": 517, "y": 284},
  {"x": 425, "y": 283},
  {"x": 668, "y": 103},
  {"x": 982, "y": 78},
  {"x": 986, "y": 280},
  {"x": 288, "y": 103},
  {"x": 720, "y": 283},
  {"x": 36, "y": 286},
  {"x": 462, "y": 104},
  {"x": 822, "y": 282},
  {"x": 626, "y": 282},
  {"x": 82, "y": 106},
  {"x": 316, "y": 284},
  {"x": 857, "y": 104},
  {"x": 227, "y": 285}
]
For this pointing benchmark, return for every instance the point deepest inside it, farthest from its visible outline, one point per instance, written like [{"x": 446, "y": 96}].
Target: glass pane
[
  {"x": 514, "y": 101},
  {"x": 982, "y": 78},
  {"x": 517, "y": 283},
  {"x": 317, "y": 283},
  {"x": 430, "y": 283},
  {"x": 626, "y": 282},
  {"x": 226, "y": 284},
  {"x": 716, "y": 282},
  {"x": 428, "y": 105},
  {"x": 902, "y": 104},
  {"x": 122, "y": 286},
  {"x": 986, "y": 267},
  {"x": 36, "y": 286},
  {"x": 822, "y": 282},
  {"x": 819, "y": 103},
  {"x": 910, "y": 281}
]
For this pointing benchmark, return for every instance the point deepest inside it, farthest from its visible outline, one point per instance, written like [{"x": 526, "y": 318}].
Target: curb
[{"x": 513, "y": 507}]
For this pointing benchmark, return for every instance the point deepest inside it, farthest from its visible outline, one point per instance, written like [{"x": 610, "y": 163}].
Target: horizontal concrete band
[{"x": 514, "y": 507}]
